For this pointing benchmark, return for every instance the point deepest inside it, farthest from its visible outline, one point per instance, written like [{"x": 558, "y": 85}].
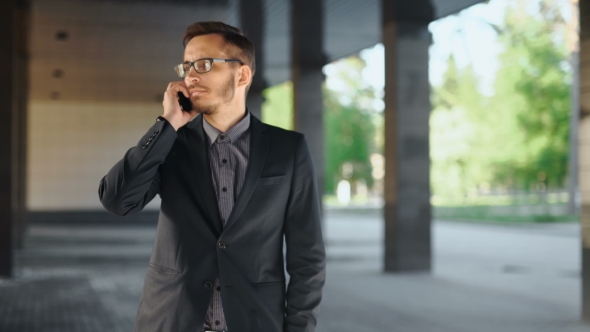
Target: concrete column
[
  {"x": 252, "y": 23},
  {"x": 584, "y": 152},
  {"x": 307, "y": 61},
  {"x": 21, "y": 100},
  {"x": 572, "y": 42},
  {"x": 407, "y": 109},
  {"x": 10, "y": 71}
]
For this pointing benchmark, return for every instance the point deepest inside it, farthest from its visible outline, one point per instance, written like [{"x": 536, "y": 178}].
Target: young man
[{"x": 232, "y": 189}]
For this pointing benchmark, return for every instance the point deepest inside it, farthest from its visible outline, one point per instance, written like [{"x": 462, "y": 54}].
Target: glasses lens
[
  {"x": 186, "y": 67},
  {"x": 203, "y": 66},
  {"x": 180, "y": 70}
]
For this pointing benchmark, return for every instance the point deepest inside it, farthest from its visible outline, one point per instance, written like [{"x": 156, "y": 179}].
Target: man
[{"x": 232, "y": 190}]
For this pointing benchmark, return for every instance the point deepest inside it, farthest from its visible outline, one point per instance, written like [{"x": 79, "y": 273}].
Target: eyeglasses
[{"x": 201, "y": 66}]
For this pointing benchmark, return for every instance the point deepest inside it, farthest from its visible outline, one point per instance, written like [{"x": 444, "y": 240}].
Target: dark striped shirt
[{"x": 228, "y": 157}]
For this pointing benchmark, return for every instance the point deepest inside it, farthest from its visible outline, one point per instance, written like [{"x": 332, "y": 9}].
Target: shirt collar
[{"x": 232, "y": 133}]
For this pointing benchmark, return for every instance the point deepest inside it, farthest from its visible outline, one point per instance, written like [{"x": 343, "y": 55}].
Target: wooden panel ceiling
[
  {"x": 125, "y": 50},
  {"x": 108, "y": 51}
]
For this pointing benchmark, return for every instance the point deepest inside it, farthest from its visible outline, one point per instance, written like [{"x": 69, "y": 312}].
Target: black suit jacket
[{"x": 278, "y": 201}]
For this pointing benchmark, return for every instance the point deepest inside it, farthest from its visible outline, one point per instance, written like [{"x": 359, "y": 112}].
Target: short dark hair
[{"x": 236, "y": 43}]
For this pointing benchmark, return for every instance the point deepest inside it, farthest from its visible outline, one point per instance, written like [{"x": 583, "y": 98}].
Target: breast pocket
[{"x": 272, "y": 180}]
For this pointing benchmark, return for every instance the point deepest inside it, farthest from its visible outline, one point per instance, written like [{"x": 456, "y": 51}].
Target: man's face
[{"x": 209, "y": 90}]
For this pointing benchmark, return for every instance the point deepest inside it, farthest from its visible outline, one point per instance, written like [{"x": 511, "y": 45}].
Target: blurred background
[{"x": 450, "y": 138}]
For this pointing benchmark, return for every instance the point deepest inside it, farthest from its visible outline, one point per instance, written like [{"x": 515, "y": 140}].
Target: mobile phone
[{"x": 185, "y": 103}]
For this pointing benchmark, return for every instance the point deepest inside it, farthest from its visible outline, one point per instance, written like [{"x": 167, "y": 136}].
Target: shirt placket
[
  {"x": 226, "y": 180},
  {"x": 225, "y": 202}
]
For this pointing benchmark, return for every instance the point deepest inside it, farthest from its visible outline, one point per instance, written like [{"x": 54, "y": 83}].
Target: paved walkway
[{"x": 485, "y": 278}]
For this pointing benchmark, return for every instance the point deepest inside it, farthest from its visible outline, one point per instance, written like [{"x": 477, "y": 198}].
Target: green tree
[
  {"x": 517, "y": 137},
  {"x": 456, "y": 133},
  {"x": 350, "y": 122},
  {"x": 348, "y": 135},
  {"x": 277, "y": 110},
  {"x": 350, "y": 125},
  {"x": 535, "y": 69}
]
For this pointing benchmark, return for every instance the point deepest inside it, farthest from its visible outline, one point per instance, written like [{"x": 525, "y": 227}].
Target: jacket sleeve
[
  {"x": 306, "y": 257},
  {"x": 135, "y": 180}
]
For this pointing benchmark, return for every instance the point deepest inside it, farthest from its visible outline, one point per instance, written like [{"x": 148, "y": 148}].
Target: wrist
[{"x": 170, "y": 121}]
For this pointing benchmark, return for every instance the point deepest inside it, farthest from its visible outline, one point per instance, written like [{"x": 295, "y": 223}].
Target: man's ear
[{"x": 244, "y": 76}]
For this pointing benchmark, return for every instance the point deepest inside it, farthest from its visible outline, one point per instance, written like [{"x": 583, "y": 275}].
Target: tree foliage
[
  {"x": 536, "y": 67},
  {"x": 349, "y": 122},
  {"x": 348, "y": 138},
  {"x": 518, "y": 137},
  {"x": 349, "y": 125}
]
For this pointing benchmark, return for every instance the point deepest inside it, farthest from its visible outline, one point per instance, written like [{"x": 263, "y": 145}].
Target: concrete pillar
[
  {"x": 22, "y": 96},
  {"x": 252, "y": 24},
  {"x": 572, "y": 42},
  {"x": 584, "y": 152},
  {"x": 307, "y": 61},
  {"x": 407, "y": 109},
  {"x": 12, "y": 42}
]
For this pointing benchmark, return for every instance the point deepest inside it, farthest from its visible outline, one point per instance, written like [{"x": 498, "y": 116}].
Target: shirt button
[
  {"x": 219, "y": 289},
  {"x": 221, "y": 245},
  {"x": 208, "y": 284},
  {"x": 224, "y": 189},
  {"x": 224, "y": 161},
  {"x": 217, "y": 322},
  {"x": 222, "y": 137}
]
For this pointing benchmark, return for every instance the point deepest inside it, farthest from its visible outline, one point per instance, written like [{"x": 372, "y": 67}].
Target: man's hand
[{"x": 172, "y": 111}]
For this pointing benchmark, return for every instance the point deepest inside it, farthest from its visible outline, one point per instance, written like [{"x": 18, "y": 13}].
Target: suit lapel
[
  {"x": 259, "y": 143},
  {"x": 198, "y": 147}
]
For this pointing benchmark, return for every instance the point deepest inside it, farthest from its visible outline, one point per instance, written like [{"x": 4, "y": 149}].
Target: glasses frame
[{"x": 180, "y": 68}]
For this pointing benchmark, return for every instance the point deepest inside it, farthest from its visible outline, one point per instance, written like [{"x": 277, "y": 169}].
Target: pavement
[{"x": 484, "y": 277}]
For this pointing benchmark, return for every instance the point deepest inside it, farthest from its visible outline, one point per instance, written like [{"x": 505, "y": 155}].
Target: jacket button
[
  {"x": 221, "y": 245},
  {"x": 208, "y": 284}
]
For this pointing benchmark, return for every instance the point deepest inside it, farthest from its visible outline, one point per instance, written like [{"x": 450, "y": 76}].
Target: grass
[{"x": 488, "y": 213}]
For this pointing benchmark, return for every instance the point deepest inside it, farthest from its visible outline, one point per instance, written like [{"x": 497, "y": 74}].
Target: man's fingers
[
  {"x": 175, "y": 87},
  {"x": 184, "y": 90}
]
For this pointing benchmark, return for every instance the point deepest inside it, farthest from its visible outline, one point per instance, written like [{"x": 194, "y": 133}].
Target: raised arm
[{"x": 135, "y": 180}]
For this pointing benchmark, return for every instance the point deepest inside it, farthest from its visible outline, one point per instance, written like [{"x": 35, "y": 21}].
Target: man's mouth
[{"x": 197, "y": 92}]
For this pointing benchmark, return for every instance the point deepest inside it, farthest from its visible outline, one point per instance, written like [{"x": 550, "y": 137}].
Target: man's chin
[{"x": 204, "y": 109}]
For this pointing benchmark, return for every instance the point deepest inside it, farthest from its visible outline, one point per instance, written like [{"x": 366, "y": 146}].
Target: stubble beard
[{"x": 226, "y": 93}]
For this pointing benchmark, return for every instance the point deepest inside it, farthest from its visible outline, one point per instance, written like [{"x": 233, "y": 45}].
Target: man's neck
[{"x": 227, "y": 117}]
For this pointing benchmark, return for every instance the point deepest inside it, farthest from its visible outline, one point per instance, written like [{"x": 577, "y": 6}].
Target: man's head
[{"x": 225, "y": 81}]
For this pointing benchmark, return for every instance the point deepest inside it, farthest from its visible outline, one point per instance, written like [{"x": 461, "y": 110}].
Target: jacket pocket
[
  {"x": 164, "y": 270},
  {"x": 272, "y": 180}
]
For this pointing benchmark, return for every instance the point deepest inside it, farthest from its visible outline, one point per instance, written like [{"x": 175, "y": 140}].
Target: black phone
[{"x": 185, "y": 103}]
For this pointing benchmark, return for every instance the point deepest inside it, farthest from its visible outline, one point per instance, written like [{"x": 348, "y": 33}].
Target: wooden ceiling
[{"x": 124, "y": 51}]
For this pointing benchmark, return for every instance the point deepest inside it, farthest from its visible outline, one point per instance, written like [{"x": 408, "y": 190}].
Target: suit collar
[
  {"x": 196, "y": 142},
  {"x": 232, "y": 133},
  {"x": 198, "y": 149}
]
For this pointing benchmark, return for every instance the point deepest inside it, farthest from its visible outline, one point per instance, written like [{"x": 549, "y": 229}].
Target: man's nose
[{"x": 192, "y": 74}]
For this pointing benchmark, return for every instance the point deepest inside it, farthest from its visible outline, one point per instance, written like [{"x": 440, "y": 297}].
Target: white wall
[{"x": 71, "y": 146}]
